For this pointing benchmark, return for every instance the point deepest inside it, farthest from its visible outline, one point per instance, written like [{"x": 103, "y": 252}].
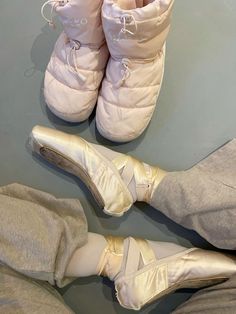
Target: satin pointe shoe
[
  {"x": 115, "y": 180},
  {"x": 143, "y": 278},
  {"x": 76, "y": 67}
]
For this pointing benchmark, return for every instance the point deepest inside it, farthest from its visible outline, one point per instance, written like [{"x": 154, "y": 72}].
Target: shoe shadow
[
  {"x": 171, "y": 302},
  {"x": 42, "y": 49},
  {"x": 125, "y": 147},
  {"x": 166, "y": 225}
]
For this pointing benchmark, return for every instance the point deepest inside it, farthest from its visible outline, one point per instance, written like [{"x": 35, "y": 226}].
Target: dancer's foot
[
  {"x": 144, "y": 271},
  {"x": 145, "y": 277}
]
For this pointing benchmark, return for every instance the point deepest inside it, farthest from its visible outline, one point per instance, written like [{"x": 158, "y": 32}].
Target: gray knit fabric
[
  {"x": 22, "y": 295},
  {"x": 204, "y": 197},
  {"x": 38, "y": 235}
]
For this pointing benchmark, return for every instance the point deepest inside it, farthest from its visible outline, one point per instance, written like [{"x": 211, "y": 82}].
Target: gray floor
[{"x": 195, "y": 114}]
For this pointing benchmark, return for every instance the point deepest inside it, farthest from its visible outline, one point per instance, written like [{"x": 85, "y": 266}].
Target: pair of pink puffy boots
[{"x": 124, "y": 38}]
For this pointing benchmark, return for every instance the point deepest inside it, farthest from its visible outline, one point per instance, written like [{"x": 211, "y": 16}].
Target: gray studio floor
[{"x": 196, "y": 113}]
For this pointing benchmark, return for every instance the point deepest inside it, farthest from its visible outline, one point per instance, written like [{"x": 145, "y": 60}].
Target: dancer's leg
[
  {"x": 85, "y": 260},
  {"x": 39, "y": 233},
  {"x": 204, "y": 197},
  {"x": 22, "y": 295}
]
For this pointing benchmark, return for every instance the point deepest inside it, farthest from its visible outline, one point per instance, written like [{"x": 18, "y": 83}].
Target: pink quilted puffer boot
[
  {"x": 136, "y": 33},
  {"x": 77, "y": 64}
]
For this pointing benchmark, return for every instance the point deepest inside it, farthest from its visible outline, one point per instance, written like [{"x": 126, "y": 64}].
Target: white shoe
[
  {"x": 143, "y": 278},
  {"x": 116, "y": 180},
  {"x": 79, "y": 59},
  {"x": 136, "y": 32}
]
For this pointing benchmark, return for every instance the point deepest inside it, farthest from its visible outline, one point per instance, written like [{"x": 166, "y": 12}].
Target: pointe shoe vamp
[
  {"x": 136, "y": 290},
  {"x": 123, "y": 113}
]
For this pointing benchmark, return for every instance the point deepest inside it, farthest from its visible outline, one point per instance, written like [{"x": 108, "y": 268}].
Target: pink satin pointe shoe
[
  {"x": 140, "y": 278},
  {"x": 116, "y": 180}
]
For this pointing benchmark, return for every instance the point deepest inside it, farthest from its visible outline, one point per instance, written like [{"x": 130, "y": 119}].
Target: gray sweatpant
[
  {"x": 203, "y": 198},
  {"x": 39, "y": 233}
]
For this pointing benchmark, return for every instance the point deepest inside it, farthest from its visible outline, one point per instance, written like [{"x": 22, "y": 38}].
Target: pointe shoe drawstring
[{"x": 54, "y": 4}]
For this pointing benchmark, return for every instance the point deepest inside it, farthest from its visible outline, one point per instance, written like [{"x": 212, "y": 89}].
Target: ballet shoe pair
[
  {"x": 125, "y": 38},
  {"x": 117, "y": 181}
]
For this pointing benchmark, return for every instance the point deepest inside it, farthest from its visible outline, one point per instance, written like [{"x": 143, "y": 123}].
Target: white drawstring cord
[
  {"x": 125, "y": 72},
  {"x": 76, "y": 46},
  {"x": 125, "y": 63},
  {"x": 54, "y": 4},
  {"x": 127, "y": 19}
]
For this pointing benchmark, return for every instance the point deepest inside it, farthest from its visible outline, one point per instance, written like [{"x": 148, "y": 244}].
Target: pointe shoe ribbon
[{"x": 146, "y": 178}]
